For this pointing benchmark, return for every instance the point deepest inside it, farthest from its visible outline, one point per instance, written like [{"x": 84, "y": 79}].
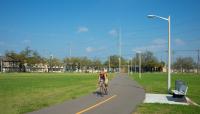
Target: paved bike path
[{"x": 123, "y": 97}]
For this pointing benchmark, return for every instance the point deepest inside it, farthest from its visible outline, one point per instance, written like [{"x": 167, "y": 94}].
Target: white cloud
[
  {"x": 82, "y": 29},
  {"x": 89, "y": 49},
  {"x": 179, "y": 42},
  {"x": 113, "y": 32},
  {"x": 155, "y": 45}
]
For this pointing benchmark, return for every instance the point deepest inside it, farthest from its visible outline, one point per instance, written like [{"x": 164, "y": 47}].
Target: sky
[{"x": 90, "y": 27}]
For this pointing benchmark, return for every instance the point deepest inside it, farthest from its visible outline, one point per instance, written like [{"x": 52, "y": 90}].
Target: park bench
[{"x": 180, "y": 89}]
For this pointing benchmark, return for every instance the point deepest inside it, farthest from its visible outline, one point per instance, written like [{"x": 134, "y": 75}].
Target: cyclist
[{"x": 104, "y": 77}]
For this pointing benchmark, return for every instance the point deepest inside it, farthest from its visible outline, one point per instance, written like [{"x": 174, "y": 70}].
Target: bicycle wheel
[
  {"x": 105, "y": 90},
  {"x": 101, "y": 88}
]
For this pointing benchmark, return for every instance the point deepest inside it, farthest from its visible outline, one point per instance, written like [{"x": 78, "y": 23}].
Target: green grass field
[
  {"x": 157, "y": 83},
  {"x": 26, "y": 92}
]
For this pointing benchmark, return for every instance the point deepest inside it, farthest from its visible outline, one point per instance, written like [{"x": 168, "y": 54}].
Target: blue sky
[{"x": 90, "y": 27}]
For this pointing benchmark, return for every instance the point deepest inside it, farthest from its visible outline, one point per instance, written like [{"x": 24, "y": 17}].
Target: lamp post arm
[
  {"x": 162, "y": 18},
  {"x": 156, "y": 16}
]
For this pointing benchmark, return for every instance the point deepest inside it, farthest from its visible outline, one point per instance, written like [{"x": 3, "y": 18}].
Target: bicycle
[{"x": 102, "y": 88}]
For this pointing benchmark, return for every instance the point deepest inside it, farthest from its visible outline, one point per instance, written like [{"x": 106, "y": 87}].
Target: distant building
[
  {"x": 9, "y": 64},
  {"x": 56, "y": 69},
  {"x": 164, "y": 69},
  {"x": 36, "y": 68}
]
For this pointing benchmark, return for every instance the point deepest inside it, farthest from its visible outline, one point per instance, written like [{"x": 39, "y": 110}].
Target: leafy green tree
[
  {"x": 13, "y": 55},
  {"x": 28, "y": 56},
  {"x": 114, "y": 62},
  {"x": 148, "y": 62},
  {"x": 184, "y": 64},
  {"x": 82, "y": 63},
  {"x": 96, "y": 63}
]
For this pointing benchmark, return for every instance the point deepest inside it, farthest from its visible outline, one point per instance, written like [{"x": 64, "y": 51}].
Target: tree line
[
  {"x": 185, "y": 64},
  {"x": 149, "y": 62}
]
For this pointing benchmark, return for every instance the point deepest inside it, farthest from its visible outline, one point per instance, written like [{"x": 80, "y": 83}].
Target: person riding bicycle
[
  {"x": 103, "y": 76},
  {"x": 103, "y": 79}
]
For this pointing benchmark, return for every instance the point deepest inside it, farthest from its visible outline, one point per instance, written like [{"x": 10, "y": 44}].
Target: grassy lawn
[
  {"x": 26, "y": 92},
  {"x": 157, "y": 83}
]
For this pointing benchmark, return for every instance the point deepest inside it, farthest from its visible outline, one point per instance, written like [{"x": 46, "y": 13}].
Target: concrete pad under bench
[{"x": 165, "y": 99}]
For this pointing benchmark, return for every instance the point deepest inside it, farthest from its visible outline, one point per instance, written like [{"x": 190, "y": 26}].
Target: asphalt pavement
[{"x": 124, "y": 94}]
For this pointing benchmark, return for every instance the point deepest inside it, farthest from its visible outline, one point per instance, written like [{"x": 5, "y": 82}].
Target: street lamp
[
  {"x": 120, "y": 49},
  {"x": 51, "y": 57},
  {"x": 131, "y": 66},
  {"x": 140, "y": 63},
  {"x": 128, "y": 67},
  {"x": 169, "y": 48}
]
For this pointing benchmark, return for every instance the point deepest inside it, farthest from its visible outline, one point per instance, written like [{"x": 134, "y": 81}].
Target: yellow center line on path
[{"x": 89, "y": 108}]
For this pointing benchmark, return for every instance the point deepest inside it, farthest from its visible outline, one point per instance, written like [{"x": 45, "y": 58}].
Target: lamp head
[{"x": 150, "y": 16}]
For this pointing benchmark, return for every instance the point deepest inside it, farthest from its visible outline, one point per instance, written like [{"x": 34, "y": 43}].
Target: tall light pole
[
  {"x": 120, "y": 50},
  {"x": 128, "y": 67},
  {"x": 135, "y": 66},
  {"x": 51, "y": 57},
  {"x": 131, "y": 66},
  {"x": 70, "y": 56},
  {"x": 140, "y": 63},
  {"x": 109, "y": 65},
  {"x": 169, "y": 48}
]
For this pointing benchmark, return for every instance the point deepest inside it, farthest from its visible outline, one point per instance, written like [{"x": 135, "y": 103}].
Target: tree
[
  {"x": 97, "y": 65},
  {"x": 16, "y": 57},
  {"x": 114, "y": 62},
  {"x": 31, "y": 57},
  {"x": 55, "y": 62},
  {"x": 80, "y": 63},
  {"x": 28, "y": 56},
  {"x": 148, "y": 62},
  {"x": 12, "y": 55},
  {"x": 184, "y": 64}
]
